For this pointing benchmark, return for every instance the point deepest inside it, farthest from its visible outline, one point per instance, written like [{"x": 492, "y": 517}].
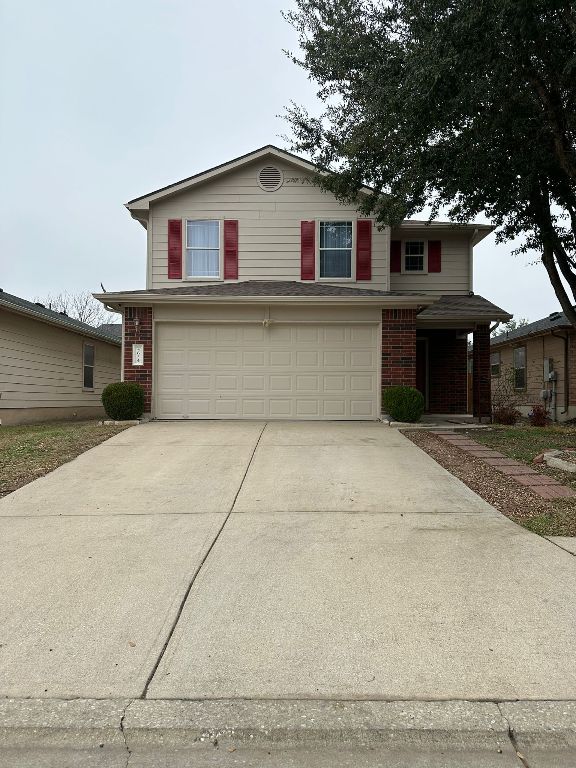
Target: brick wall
[
  {"x": 447, "y": 371},
  {"x": 398, "y": 347},
  {"x": 481, "y": 385},
  {"x": 138, "y": 330}
]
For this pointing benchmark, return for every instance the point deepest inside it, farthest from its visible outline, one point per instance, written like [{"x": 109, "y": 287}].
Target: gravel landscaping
[
  {"x": 545, "y": 517},
  {"x": 30, "y": 451}
]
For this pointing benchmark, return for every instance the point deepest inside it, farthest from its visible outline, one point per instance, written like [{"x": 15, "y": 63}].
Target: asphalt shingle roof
[
  {"x": 545, "y": 325},
  {"x": 266, "y": 288},
  {"x": 464, "y": 308},
  {"x": 113, "y": 329},
  {"x": 40, "y": 312}
]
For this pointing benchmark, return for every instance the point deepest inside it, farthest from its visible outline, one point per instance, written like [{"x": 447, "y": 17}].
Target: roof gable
[{"x": 270, "y": 151}]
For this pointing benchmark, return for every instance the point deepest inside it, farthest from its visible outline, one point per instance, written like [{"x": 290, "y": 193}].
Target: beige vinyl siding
[
  {"x": 268, "y": 224},
  {"x": 455, "y": 277},
  {"x": 41, "y": 365}
]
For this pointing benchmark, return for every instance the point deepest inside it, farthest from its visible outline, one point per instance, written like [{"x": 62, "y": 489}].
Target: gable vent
[{"x": 270, "y": 178}]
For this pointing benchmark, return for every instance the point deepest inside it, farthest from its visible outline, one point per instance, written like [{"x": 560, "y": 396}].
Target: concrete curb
[
  {"x": 111, "y": 731},
  {"x": 454, "y": 724}
]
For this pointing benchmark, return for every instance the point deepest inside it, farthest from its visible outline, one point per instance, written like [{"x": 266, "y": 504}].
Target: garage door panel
[{"x": 290, "y": 372}]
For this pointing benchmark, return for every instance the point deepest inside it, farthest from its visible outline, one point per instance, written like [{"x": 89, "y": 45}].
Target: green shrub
[
  {"x": 403, "y": 403},
  {"x": 123, "y": 400}
]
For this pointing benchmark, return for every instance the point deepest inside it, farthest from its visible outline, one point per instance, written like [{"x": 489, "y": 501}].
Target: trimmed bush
[
  {"x": 539, "y": 416},
  {"x": 505, "y": 414},
  {"x": 403, "y": 403},
  {"x": 123, "y": 400}
]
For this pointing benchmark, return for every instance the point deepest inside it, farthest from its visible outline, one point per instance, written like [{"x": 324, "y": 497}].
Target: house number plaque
[{"x": 137, "y": 354}]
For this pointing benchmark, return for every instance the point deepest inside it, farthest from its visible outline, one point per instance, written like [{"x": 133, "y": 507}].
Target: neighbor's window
[
  {"x": 335, "y": 249},
  {"x": 414, "y": 256},
  {"x": 203, "y": 248},
  {"x": 495, "y": 364},
  {"x": 520, "y": 368},
  {"x": 88, "y": 366}
]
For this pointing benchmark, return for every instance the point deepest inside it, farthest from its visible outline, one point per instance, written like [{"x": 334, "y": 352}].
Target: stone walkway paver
[{"x": 542, "y": 485}]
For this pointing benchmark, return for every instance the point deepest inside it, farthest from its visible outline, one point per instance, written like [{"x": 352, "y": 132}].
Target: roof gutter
[{"x": 565, "y": 337}]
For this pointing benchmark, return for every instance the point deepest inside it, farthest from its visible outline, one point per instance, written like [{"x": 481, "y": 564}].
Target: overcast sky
[{"x": 103, "y": 102}]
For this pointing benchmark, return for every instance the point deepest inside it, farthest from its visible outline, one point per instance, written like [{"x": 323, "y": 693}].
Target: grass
[
  {"x": 524, "y": 443},
  {"x": 30, "y": 451}
]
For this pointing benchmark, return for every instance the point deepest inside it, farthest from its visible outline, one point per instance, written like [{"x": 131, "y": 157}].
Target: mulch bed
[{"x": 516, "y": 502}]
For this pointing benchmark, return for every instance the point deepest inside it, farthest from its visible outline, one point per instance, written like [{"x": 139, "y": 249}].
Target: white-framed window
[
  {"x": 495, "y": 364},
  {"x": 202, "y": 248},
  {"x": 335, "y": 249},
  {"x": 88, "y": 366},
  {"x": 414, "y": 256},
  {"x": 519, "y": 364}
]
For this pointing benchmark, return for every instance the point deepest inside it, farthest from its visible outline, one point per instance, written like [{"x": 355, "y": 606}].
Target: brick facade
[
  {"x": 447, "y": 352},
  {"x": 138, "y": 330},
  {"x": 398, "y": 347},
  {"x": 481, "y": 383}
]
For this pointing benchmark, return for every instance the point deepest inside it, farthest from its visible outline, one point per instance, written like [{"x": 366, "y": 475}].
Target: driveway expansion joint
[
  {"x": 199, "y": 568},
  {"x": 521, "y": 757}
]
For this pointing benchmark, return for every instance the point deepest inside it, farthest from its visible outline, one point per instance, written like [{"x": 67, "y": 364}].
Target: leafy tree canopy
[{"x": 468, "y": 104}]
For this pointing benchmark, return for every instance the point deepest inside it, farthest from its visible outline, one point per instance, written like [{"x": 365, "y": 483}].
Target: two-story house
[{"x": 267, "y": 298}]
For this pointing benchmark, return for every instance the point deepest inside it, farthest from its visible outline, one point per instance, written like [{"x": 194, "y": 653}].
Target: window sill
[
  {"x": 336, "y": 280},
  {"x": 203, "y": 279}
]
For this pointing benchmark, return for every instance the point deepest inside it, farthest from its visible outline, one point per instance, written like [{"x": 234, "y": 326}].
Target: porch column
[
  {"x": 138, "y": 330},
  {"x": 481, "y": 386},
  {"x": 398, "y": 347}
]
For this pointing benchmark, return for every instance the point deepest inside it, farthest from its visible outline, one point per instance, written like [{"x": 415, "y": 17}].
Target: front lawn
[
  {"x": 30, "y": 451},
  {"x": 545, "y": 517},
  {"x": 525, "y": 443}
]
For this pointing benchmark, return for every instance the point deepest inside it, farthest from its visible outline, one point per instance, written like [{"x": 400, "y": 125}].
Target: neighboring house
[
  {"x": 538, "y": 361},
  {"x": 51, "y": 366},
  {"x": 112, "y": 329},
  {"x": 267, "y": 298}
]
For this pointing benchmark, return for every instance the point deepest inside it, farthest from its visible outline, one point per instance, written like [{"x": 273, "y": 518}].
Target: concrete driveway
[{"x": 215, "y": 560}]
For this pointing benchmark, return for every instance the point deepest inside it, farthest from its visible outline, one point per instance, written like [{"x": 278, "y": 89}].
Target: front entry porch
[{"x": 442, "y": 370}]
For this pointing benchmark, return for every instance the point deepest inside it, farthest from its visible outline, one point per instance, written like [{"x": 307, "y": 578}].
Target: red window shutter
[
  {"x": 307, "y": 250},
  {"x": 175, "y": 249},
  {"x": 230, "y": 249},
  {"x": 396, "y": 256},
  {"x": 364, "y": 249},
  {"x": 434, "y": 256}
]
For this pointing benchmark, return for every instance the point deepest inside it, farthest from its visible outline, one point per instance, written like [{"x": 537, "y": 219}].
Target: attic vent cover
[{"x": 270, "y": 178}]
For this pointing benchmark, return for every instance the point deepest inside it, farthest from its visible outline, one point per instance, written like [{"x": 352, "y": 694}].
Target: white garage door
[{"x": 284, "y": 371}]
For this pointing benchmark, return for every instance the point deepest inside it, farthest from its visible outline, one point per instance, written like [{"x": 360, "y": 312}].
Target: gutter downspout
[{"x": 566, "y": 374}]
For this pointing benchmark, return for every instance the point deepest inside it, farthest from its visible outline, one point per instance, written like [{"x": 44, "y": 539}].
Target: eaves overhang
[{"x": 119, "y": 301}]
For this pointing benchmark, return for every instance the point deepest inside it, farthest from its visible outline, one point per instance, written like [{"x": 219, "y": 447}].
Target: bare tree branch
[{"x": 80, "y": 306}]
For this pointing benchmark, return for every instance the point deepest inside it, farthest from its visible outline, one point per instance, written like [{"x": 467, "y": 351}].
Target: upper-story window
[
  {"x": 202, "y": 248},
  {"x": 336, "y": 249},
  {"x": 414, "y": 255}
]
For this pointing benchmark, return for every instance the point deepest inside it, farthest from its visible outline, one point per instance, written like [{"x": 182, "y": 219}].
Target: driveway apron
[{"x": 214, "y": 560}]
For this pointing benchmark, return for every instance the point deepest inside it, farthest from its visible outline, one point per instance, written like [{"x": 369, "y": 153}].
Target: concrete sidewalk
[{"x": 244, "y": 562}]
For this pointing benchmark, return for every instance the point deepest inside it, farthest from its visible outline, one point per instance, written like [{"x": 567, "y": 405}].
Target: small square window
[
  {"x": 495, "y": 364},
  {"x": 414, "y": 256},
  {"x": 88, "y": 366}
]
